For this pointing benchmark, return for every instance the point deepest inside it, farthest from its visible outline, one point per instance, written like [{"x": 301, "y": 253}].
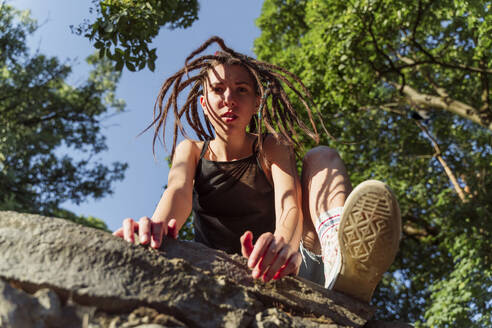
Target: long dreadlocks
[{"x": 268, "y": 80}]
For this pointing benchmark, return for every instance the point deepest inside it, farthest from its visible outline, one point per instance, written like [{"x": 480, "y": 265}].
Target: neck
[{"x": 232, "y": 147}]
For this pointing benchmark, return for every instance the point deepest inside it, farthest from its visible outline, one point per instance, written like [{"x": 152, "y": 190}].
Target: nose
[{"x": 229, "y": 98}]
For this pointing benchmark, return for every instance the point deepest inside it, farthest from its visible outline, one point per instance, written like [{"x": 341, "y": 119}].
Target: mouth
[{"x": 229, "y": 116}]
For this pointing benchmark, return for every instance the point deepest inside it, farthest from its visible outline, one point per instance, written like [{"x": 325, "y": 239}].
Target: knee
[
  {"x": 321, "y": 154},
  {"x": 319, "y": 158}
]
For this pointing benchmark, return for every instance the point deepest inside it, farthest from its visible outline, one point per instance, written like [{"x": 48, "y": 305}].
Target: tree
[
  {"x": 405, "y": 88},
  {"x": 123, "y": 28},
  {"x": 41, "y": 116}
]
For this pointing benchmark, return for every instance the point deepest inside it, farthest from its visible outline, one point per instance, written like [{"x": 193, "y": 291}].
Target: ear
[{"x": 203, "y": 103}]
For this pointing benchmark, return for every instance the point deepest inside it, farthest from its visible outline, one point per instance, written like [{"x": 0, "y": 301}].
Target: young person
[{"x": 243, "y": 187}]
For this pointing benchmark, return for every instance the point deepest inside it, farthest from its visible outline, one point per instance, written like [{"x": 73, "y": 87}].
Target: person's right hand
[{"x": 147, "y": 230}]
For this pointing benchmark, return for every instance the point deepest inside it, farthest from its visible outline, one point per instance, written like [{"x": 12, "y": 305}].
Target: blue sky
[{"x": 138, "y": 194}]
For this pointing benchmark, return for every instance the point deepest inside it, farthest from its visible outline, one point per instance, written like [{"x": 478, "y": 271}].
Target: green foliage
[
  {"x": 187, "y": 231},
  {"x": 41, "y": 116},
  {"x": 124, "y": 28},
  {"x": 371, "y": 66},
  {"x": 88, "y": 221}
]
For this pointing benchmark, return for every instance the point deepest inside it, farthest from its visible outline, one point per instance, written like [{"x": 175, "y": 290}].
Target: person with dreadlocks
[{"x": 241, "y": 182}]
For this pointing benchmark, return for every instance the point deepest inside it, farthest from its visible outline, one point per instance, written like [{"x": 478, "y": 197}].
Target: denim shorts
[{"x": 312, "y": 267}]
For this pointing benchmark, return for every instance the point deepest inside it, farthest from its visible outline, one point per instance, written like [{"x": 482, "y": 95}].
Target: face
[{"x": 229, "y": 99}]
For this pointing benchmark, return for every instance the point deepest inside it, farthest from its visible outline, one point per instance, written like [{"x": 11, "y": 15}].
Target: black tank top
[{"x": 230, "y": 198}]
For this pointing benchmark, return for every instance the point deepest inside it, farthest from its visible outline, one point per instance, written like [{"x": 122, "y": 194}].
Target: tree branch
[
  {"x": 432, "y": 59},
  {"x": 485, "y": 112},
  {"x": 420, "y": 10},
  {"x": 466, "y": 189},
  {"x": 417, "y": 229},
  {"x": 410, "y": 63},
  {"x": 379, "y": 50},
  {"x": 466, "y": 68},
  {"x": 415, "y": 98},
  {"x": 414, "y": 231},
  {"x": 441, "y": 160},
  {"x": 440, "y": 90}
]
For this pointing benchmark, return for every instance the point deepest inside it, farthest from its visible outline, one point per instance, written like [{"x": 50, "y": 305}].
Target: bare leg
[
  {"x": 359, "y": 243},
  {"x": 325, "y": 185}
]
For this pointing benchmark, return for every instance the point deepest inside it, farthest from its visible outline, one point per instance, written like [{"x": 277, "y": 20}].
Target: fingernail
[
  {"x": 256, "y": 273},
  {"x": 143, "y": 239}
]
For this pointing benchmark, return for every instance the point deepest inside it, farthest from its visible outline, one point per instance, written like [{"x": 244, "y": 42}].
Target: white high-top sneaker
[{"x": 362, "y": 246}]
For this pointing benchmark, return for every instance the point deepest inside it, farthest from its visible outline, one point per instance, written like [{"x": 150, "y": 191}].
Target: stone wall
[{"x": 54, "y": 273}]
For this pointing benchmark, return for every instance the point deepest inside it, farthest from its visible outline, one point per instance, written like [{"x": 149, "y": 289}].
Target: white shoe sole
[{"x": 369, "y": 235}]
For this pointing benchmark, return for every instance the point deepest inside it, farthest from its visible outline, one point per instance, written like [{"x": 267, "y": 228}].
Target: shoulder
[
  {"x": 280, "y": 156},
  {"x": 188, "y": 149},
  {"x": 190, "y": 145},
  {"x": 276, "y": 148},
  {"x": 277, "y": 156},
  {"x": 182, "y": 171}
]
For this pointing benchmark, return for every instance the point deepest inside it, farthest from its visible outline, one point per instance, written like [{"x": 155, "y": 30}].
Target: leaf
[
  {"x": 119, "y": 65},
  {"x": 102, "y": 53},
  {"x": 151, "y": 64},
  {"x": 130, "y": 66},
  {"x": 141, "y": 65},
  {"x": 108, "y": 27}
]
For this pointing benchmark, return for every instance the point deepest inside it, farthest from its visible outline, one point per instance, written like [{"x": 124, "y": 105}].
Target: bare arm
[
  {"x": 288, "y": 197},
  {"x": 177, "y": 198},
  {"x": 175, "y": 204},
  {"x": 276, "y": 255}
]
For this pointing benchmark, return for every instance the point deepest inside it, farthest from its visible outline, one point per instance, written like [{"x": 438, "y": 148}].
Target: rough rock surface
[{"x": 58, "y": 274}]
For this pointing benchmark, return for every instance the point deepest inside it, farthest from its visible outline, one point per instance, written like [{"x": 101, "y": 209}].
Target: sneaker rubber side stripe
[
  {"x": 330, "y": 218},
  {"x": 327, "y": 229}
]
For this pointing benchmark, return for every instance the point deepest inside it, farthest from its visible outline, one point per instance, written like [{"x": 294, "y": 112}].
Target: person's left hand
[{"x": 270, "y": 257}]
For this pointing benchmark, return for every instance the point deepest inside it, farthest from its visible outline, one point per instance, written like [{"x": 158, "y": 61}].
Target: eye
[
  {"x": 217, "y": 89},
  {"x": 243, "y": 90}
]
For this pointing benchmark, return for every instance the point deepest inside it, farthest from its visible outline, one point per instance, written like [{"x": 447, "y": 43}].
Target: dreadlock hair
[{"x": 268, "y": 79}]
